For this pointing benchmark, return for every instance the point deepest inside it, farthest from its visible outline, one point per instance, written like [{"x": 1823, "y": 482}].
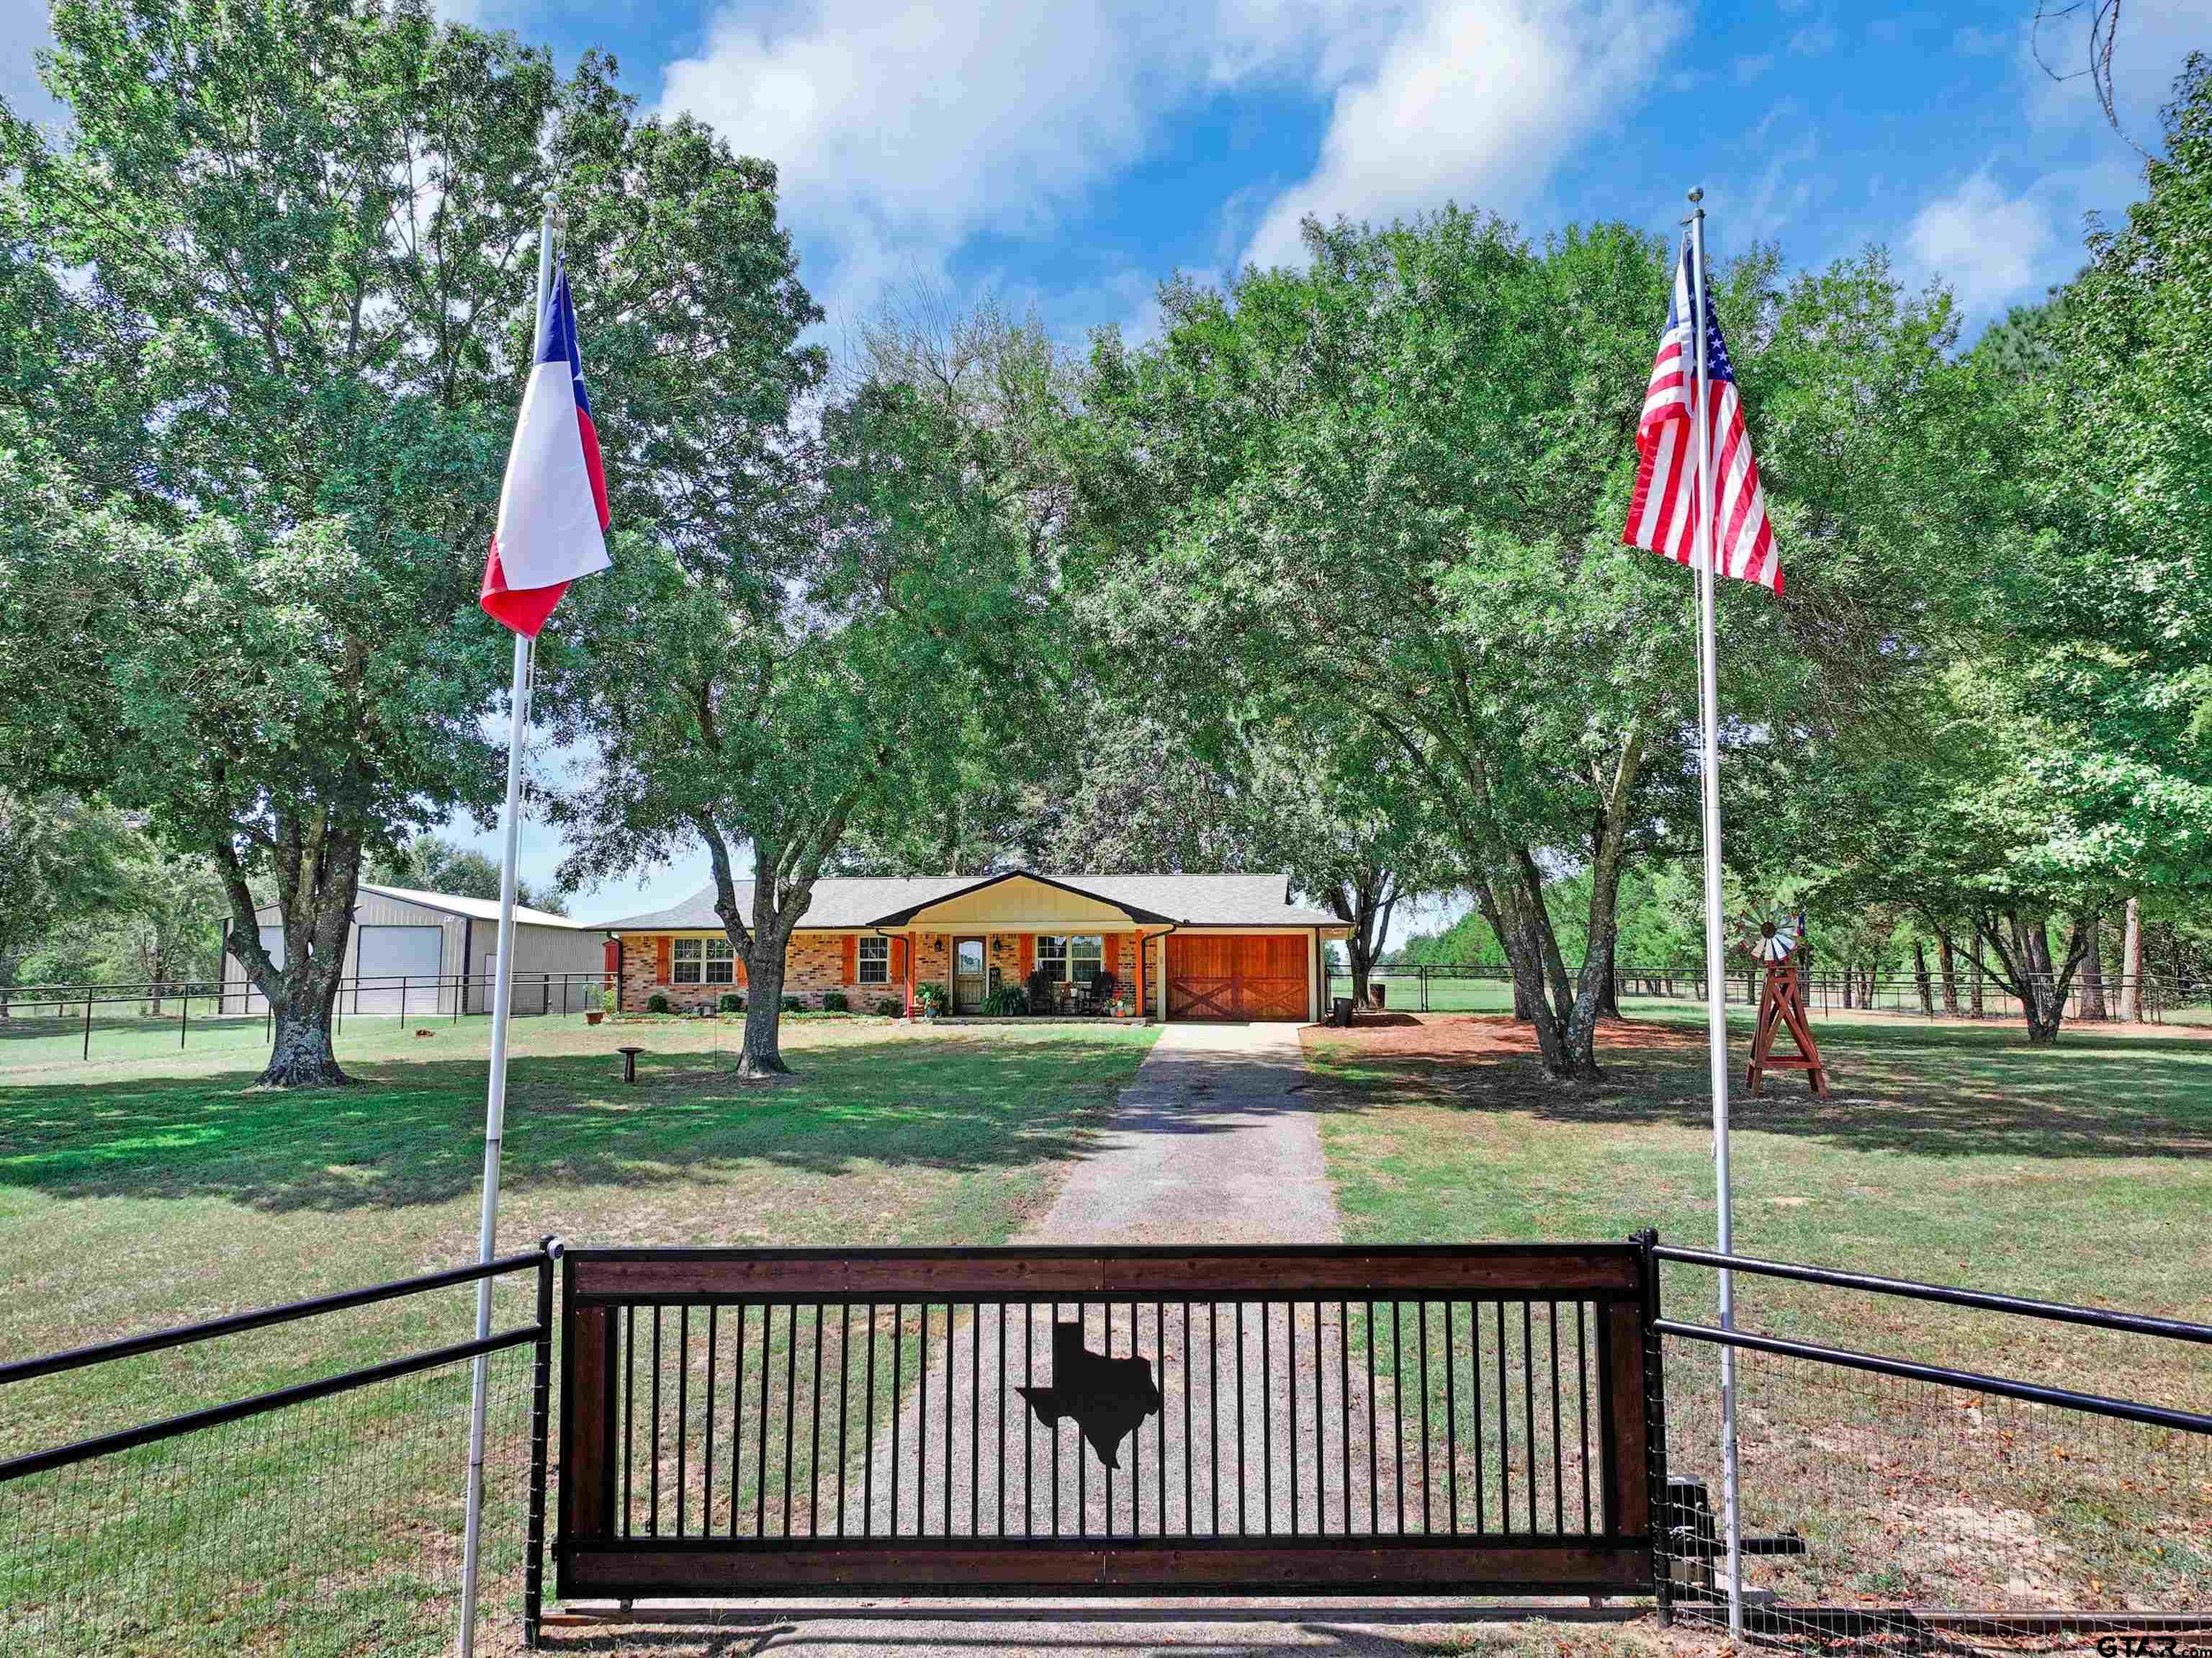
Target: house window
[
  {"x": 875, "y": 961},
  {"x": 688, "y": 954},
  {"x": 721, "y": 962},
  {"x": 1078, "y": 957}
]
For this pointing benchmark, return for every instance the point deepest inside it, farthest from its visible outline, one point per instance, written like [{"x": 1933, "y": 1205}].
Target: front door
[{"x": 969, "y": 978}]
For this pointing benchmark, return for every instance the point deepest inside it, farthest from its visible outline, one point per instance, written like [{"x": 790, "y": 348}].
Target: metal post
[
  {"x": 88, "y": 1028},
  {"x": 184, "y": 1015},
  {"x": 1716, "y": 959},
  {"x": 1654, "y": 1431},
  {"x": 496, "y": 1092},
  {"x": 402, "y": 1003},
  {"x": 541, "y": 1386}
]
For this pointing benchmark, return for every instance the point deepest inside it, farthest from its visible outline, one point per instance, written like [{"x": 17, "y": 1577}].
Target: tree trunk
[
  {"x": 1948, "y": 965},
  {"x": 301, "y": 1056},
  {"x": 1974, "y": 989},
  {"x": 2092, "y": 973},
  {"x": 1920, "y": 978},
  {"x": 762, "y": 1053},
  {"x": 2131, "y": 964}
]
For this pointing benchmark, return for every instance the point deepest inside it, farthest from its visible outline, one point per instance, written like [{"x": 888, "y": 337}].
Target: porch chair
[{"x": 1098, "y": 995}]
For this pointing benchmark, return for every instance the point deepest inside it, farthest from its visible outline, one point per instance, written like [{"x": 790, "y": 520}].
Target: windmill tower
[{"x": 1781, "y": 1007}]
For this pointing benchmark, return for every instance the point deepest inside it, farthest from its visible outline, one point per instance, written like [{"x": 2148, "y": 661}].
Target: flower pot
[{"x": 594, "y": 1016}]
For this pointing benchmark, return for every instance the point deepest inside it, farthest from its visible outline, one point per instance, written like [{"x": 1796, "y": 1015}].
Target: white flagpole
[
  {"x": 1716, "y": 962},
  {"x": 496, "y": 1092}
]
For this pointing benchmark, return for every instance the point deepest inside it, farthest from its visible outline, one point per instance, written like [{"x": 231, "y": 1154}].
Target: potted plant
[
  {"x": 931, "y": 1000},
  {"x": 608, "y": 1000}
]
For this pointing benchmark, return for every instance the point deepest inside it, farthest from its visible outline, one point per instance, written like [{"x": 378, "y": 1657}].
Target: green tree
[
  {"x": 1396, "y": 479},
  {"x": 58, "y": 864},
  {"x": 758, "y": 698},
  {"x": 265, "y": 315},
  {"x": 431, "y": 863}
]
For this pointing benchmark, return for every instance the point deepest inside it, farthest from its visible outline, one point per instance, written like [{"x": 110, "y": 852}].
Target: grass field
[
  {"x": 146, "y": 1192},
  {"x": 1961, "y": 1156}
]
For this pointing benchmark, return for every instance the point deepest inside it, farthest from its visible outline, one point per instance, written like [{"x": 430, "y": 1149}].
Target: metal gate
[{"x": 1441, "y": 1419}]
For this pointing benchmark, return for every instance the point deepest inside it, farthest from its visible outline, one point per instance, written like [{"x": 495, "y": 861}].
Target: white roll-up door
[{"x": 389, "y": 955}]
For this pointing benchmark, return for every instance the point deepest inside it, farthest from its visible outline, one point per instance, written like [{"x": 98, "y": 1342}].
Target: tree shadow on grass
[
  {"x": 1933, "y": 1092},
  {"x": 411, "y": 1133}
]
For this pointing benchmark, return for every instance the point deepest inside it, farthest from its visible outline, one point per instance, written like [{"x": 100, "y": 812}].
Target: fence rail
[
  {"x": 262, "y": 1521},
  {"x": 1446, "y": 987},
  {"x": 94, "y": 1011},
  {"x": 1883, "y": 1495}
]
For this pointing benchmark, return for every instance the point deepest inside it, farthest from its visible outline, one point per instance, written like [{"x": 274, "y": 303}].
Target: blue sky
[{"x": 1068, "y": 155}]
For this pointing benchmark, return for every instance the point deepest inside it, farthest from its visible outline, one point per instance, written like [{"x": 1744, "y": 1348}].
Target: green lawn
[
  {"x": 1962, "y": 1156},
  {"x": 149, "y": 1192}
]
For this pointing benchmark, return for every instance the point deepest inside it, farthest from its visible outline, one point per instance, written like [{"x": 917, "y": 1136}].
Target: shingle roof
[{"x": 1261, "y": 901}]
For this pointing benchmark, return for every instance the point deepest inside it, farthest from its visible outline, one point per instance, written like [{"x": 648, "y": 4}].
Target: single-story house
[
  {"x": 412, "y": 951},
  {"x": 1183, "y": 947}
]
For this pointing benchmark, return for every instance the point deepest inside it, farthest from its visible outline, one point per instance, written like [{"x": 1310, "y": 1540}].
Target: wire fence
[
  {"x": 53, "y": 1024},
  {"x": 1476, "y": 988},
  {"x": 324, "y": 1516},
  {"x": 1896, "y": 1504}
]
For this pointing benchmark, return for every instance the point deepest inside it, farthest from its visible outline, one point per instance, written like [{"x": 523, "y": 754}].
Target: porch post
[{"x": 913, "y": 967}]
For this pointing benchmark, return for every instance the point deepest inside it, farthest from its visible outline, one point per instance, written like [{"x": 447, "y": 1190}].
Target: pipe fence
[
  {"x": 1479, "y": 988},
  {"x": 319, "y": 1515}
]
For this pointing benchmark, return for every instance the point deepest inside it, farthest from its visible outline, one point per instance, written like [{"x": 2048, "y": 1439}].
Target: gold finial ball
[{"x": 1698, "y": 194}]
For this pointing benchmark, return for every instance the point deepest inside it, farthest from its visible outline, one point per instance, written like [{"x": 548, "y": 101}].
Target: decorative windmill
[{"x": 1781, "y": 1005}]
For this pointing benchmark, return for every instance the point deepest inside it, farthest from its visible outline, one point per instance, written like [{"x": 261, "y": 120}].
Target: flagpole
[
  {"x": 495, "y": 1090},
  {"x": 1716, "y": 962}
]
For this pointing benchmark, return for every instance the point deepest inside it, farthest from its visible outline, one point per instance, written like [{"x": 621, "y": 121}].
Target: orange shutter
[
  {"x": 660, "y": 959},
  {"x": 898, "y": 960},
  {"x": 852, "y": 958},
  {"x": 740, "y": 966},
  {"x": 1028, "y": 956},
  {"x": 1137, "y": 976}
]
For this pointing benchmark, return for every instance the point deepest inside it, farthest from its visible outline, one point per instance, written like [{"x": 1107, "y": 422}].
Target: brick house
[{"x": 1178, "y": 946}]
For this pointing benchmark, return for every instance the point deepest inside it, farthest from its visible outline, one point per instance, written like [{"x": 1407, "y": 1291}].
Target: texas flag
[{"x": 553, "y": 507}]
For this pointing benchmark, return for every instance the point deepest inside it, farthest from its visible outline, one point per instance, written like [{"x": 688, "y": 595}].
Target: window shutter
[
  {"x": 852, "y": 958},
  {"x": 1136, "y": 973},
  {"x": 898, "y": 960},
  {"x": 741, "y": 969},
  {"x": 660, "y": 959},
  {"x": 1028, "y": 956}
]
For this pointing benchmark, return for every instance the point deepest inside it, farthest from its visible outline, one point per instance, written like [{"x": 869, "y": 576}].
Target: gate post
[
  {"x": 1654, "y": 1430},
  {"x": 541, "y": 1383}
]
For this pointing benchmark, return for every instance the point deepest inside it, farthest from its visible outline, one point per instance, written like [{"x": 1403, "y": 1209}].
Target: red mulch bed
[{"x": 1449, "y": 1035}]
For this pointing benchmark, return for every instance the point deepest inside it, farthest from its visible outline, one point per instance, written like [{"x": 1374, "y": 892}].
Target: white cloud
[
  {"x": 1990, "y": 248},
  {"x": 1475, "y": 100},
  {"x": 1749, "y": 69},
  {"x": 1814, "y": 41},
  {"x": 900, "y": 131}
]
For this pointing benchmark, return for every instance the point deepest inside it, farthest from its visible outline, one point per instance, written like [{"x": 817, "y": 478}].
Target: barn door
[{"x": 1246, "y": 976}]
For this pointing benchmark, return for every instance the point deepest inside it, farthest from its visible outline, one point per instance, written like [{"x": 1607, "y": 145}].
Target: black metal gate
[{"x": 1450, "y": 1419}]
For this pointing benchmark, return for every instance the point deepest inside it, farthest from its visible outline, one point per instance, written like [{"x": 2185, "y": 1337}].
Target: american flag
[{"x": 1663, "y": 517}]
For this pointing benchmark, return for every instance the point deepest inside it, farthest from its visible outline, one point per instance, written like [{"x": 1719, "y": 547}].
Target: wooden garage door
[{"x": 1244, "y": 976}]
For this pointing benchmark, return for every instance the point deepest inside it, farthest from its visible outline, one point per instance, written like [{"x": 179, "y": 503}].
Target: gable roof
[
  {"x": 483, "y": 909},
  {"x": 844, "y": 901}
]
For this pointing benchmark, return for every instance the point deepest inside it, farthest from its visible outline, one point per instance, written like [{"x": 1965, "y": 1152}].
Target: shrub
[
  {"x": 732, "y": 1002},
  {"x": 834, "y": 1002},
  {"x": 658, "y": 1003},
  {"x": 1006, "y": 1000},
  {"x": 888, "y": 1006},
  {"x": 793, "y": 1004},
  {"x": 609, "y": 1001}
]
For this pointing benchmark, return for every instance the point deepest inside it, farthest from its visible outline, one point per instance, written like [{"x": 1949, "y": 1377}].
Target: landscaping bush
[
  {"x": 793, "y": 1004},
  {"x": 834, "y": 1002},
  {"x": 888, "y": 1006},
  {"x": 732, "y": 1002},
  {"x": 610, "y": 1002},
  {"x": 657, "y": 1002},
  {"x": 1006, "y": 1001}
]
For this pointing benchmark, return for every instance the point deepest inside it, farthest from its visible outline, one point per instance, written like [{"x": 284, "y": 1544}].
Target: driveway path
[{"x": 1212, "y": 1144}]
